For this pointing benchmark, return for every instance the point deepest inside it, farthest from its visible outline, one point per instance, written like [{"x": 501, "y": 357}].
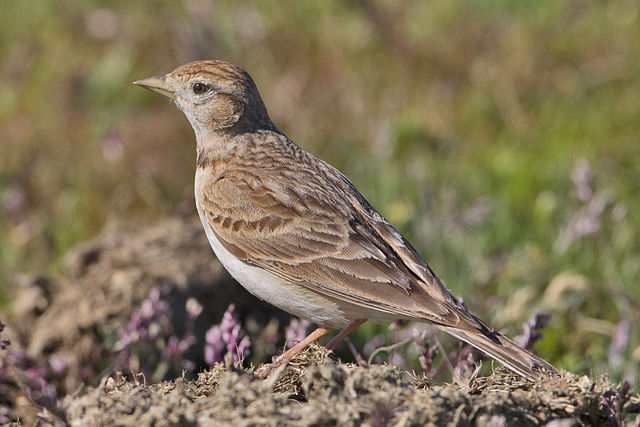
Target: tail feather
[{"x": 505, "y": 351}]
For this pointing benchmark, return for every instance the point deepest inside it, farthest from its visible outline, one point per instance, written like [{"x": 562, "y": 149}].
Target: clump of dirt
[{"x": 345, "y": 394}]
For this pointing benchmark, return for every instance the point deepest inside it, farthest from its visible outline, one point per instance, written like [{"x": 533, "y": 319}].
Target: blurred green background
[{"x": 502, "y": 138}]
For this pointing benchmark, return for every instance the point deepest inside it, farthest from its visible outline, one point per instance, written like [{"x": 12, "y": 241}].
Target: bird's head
[{"x": 216, "y": 96}]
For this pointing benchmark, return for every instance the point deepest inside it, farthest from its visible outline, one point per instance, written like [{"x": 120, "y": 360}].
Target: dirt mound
[
  {"x": 68, "y": 320},
  {"x": 60, "y": 330},
  {"x": 107, "y": 277},
  {"x": 333, "y": 394}
]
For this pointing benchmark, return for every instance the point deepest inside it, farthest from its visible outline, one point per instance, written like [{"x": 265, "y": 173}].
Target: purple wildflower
[
  {"x": 615, "y": 402},
  {"x": 4, "y": 342},
  {"x": 148, "y": 342},
  {"x": 228, "y": 335},
  {"x": 533, "y": 330},
  {"x": 460, "y": 363},
  {"x": 582, "y": 177},
  {"x": 177, "y": 347},
  {"x": 4, "y": 415},
  {"x": 31, "y": 377},
  {"x": 243, "y": 347},
  {"x": 426, "y": 354},
  {"x": 619, "y": 342},
  {"x": 58, "y": 364},
  {"x": 465, "y": 362},
  {"x": 587, "y": 220},
  {"x": 148, "y": 321},
  {"x": 296, "y": 331},
  {"x": 112, "y": 146},
  {"x": 214, "y": 346}
]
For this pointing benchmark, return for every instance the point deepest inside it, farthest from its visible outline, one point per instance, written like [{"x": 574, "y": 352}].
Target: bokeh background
[{"x": 502, "y": 138}]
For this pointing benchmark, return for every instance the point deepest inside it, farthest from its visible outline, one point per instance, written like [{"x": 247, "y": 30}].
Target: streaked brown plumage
[{"x": 295, "y": 232}]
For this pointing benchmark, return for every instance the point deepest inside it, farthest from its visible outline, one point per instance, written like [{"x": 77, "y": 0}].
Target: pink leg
[
  {"x": 289, "y": 354},
  {"x": 346, "y": 331}
]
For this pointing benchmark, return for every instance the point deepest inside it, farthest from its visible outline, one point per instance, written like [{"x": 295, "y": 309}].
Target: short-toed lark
[{"x": 296, "y": 233}]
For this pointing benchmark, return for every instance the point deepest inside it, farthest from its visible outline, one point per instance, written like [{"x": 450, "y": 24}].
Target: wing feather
[{"x": 355, "y": 256}]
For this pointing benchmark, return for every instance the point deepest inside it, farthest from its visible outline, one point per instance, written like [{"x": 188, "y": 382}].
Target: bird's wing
[{"x": 323, "y": 235}]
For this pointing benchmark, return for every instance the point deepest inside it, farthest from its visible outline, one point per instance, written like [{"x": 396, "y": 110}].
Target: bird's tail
[{"x": 505, "y": 351}]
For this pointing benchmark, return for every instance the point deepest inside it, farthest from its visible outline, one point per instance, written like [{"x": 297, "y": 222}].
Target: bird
[{"x": 296, "y": 233}]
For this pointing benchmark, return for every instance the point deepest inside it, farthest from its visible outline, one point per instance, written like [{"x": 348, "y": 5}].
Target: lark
[{"x": 296, "y": 233}]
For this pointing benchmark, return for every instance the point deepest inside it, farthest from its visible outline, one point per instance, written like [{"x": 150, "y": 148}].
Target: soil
[
  {"x": 104, "y": 279},
  {"x": 334, "y": 394}
]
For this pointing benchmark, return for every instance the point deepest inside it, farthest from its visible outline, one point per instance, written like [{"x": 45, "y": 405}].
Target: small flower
[
  {"x": 533, "y": 330},
  {"x": 619, "y": 342},
  {"x": 296, "y": 331},
  {"x": 58, "y": 364},
  {"x": 426, "y": 354},
  {"x": 193, "y": 307},
  {"x": 148, "y": 338},
  {"x": 228, "y": 335},
  {"x": 582, "y": 177},
  {"x": 4, "y": 414},
  {"x": 243, "y": 347},
  {"x": 214, "y": 346},
  {"x": 4, "y": 342}
]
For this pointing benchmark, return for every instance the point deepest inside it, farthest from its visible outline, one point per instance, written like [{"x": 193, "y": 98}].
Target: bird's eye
[{"x": 200, "y": 88}]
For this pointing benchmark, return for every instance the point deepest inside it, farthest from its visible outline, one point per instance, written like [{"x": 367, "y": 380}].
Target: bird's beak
[{"x": 156, "y": 84}]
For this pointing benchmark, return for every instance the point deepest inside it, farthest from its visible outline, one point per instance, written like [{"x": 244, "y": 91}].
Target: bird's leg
[
  {"x": 265, "y": 371},
  {"x": 343, "y": 333},
  {"x": 285, "y": 357}
]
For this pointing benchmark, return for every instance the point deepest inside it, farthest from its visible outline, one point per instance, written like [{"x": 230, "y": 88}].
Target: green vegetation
[{"x": 502, "y": 138}]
